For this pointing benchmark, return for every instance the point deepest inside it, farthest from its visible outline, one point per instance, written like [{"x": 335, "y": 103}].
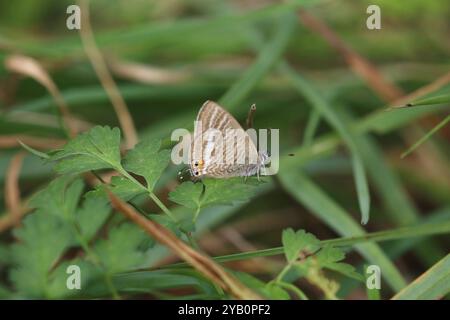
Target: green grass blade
[
  {"x": 438, "y": 99},
  {"x": 266, "y": 59},
  {"x": 312, "y": 197},
  {"x": 433, "y": 284},
  {"x": 311, "y": 127},
  {"x": 327, "y": 112},
  {"x": 152, "y": 33},
  {"x": 412, "y": 232},
  {"x": 436, "y": 128}
]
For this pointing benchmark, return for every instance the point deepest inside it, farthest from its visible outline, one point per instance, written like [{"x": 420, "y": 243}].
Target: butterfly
[{"x": 221, "y": 148}]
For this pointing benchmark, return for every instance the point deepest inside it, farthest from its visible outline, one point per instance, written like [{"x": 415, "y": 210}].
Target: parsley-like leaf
[
  {"x": 146, "y": 160},
  {"x": 43, "y": 238},
  {"x": 120, "y": 251},
  {"x": 120, "y": 186},
  {"x": 217, "y": 192},
  {"x": 99, "y": 148},
  {"x": 296, "y": 242},
  {"x": 328, "y": 257}
]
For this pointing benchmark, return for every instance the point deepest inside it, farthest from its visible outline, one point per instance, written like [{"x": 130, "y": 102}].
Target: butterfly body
[{"x": 221, "y": 148}]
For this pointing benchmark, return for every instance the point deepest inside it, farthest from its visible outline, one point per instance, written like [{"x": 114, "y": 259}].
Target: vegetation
[{"x": 85, "y": 151}]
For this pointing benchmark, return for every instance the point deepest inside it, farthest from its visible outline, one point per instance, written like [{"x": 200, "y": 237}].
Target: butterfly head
[{"x": 197, "y": 167}]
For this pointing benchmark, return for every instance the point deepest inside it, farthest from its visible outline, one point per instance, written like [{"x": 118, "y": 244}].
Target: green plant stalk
[
  {"x": 158, "y": 202},
  {"x": 426, "y": 229},
  {"x": 439, "y": 126},
  {"x": 294, "y": 289}
]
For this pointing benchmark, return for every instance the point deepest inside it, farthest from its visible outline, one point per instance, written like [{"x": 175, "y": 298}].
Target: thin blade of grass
[
  {"x": 407, "y": 233},
  {"x": 332, "y": 117},
  {"x": 320, "y": 204},
  {"x": 267, "y": 57},
  {"x": 428, "y": 135},
  {"x": 433, "y": 284}
]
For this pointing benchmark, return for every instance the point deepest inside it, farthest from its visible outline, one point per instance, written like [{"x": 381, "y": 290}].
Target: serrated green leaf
[
  {"x": 43, "y": 238},
  {"x": 296, "y": 242},
  {"x": 217, "y": 192},
  {"x": 146, "y": 160},
  {"x": 99, "y": 148},
  {"x": 228, "y": 191},
  {"x": 328, "y": 257},
  {"x": 166, "y": 221},
  {"x": 187, "y": 194},
  {"x": 59, "y": 198},
  {"x": 91, "y": 216},
  {"x": 120, "y": 186},
  {"x": 120, "y": 251}
]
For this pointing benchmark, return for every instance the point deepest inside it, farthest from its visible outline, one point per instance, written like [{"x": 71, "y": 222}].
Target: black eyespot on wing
[
  {"x": 196, "y": 173},
  {"x": 196, "y": 163}
]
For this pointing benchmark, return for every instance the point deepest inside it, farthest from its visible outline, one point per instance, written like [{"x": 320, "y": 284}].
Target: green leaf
[
  {"x": 120, "y": 251},
  {"x": 120, "y": 186},
  {"x": 60, "y": 198},
  {"x": 43, "y": 238},
  {"x": 146, "y": 160},
  {"x": 91, "y": 216},
  {"x": 296, "y": 242},
  {"x": 328, "y": 257},
  {"x": 187, "y": 194},
  {"x": 228, "y": 191},
  {"x": 99, "y": 148},
  {"x": 320, "y": 204},
  {"x": 433, "y": 284},
  {"x": 217, "y": 192},
  {"x": 166, "y": 221}
]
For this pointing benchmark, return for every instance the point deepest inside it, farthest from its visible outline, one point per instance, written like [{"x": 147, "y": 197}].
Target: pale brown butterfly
[{"x": 216, "y": 153}]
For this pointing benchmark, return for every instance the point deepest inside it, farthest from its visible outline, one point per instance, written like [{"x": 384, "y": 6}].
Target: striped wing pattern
[{"x": 225, "y": 155}]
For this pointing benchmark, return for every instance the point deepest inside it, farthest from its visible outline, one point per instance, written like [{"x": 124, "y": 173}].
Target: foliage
[{"x": 345, "y": 148}]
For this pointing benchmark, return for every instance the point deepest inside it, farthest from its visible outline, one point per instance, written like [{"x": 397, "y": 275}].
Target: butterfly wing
[{"x": 215, "y": 152}]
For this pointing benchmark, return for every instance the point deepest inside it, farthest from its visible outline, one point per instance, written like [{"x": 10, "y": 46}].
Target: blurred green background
[{"x": 168, "y": 57}]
